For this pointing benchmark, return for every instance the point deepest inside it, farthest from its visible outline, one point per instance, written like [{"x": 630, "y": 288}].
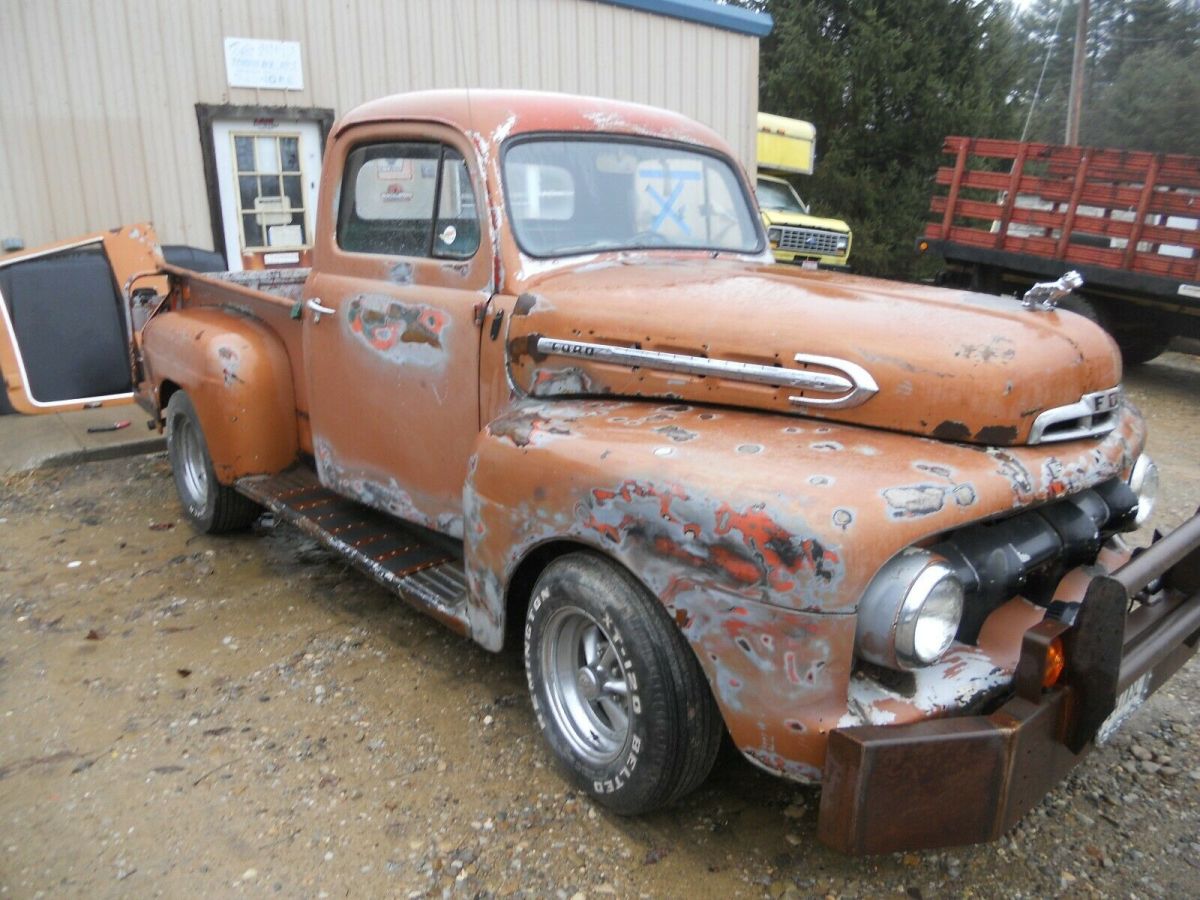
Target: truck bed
[
  {"x": 286, "y": 284},
  {"x": 1121, "y": 210},
  {"x": 1009, "y": 213},
  {"x": 272, "y": 296}
]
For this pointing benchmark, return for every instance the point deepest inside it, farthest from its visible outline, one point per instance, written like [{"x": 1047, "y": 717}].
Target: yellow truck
[{"x": 788, "y": 147}]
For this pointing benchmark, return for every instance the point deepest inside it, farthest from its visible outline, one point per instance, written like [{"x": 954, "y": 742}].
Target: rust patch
[
  {"x": 389, "y": 326},
  {"x": 524, "y": 428},
  {"x": 1002, "y": 435},
  {"x": 676, "y": 433},
  {"x": 998, "y": 349},
  {"x": 913, "y": 501},
  {"x": 524, "y": 305},
  {"x": 230, "y": 364},
  {"x": 952, "y": 431},
  {"x": 1014, "y": 471},
  {"x": 562, "y": 382}
]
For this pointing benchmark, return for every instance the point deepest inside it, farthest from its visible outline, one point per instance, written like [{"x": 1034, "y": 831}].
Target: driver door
[{"x": 391, "y": 322}]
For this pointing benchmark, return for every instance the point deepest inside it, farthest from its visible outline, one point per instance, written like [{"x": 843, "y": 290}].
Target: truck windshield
[
  {"x": 773, "y": 195},
  {"x": 568, "y": 196}
]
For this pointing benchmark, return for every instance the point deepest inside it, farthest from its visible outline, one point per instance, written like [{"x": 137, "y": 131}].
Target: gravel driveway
[{"x": 191, "y": 716}]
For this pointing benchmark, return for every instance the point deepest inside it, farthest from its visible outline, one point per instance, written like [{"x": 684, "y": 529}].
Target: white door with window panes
[{"x": 267, "y": 176}]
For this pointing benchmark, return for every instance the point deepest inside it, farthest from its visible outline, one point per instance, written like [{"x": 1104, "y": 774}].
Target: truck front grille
[{"x": 809, "y": 240}]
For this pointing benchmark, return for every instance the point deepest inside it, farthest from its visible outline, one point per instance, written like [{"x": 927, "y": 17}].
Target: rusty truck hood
[{"x": 945, "y": 364}]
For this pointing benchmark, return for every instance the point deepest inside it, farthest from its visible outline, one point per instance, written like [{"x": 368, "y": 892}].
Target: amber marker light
[
  {"x": 923, "y": 246},
  {"x": 1056, "y": 661}
]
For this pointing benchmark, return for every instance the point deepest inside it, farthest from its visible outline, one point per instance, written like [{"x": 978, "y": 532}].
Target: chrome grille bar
[
  {"x": 811, "y": 240},
  {"x": 1091, "y": 415}
]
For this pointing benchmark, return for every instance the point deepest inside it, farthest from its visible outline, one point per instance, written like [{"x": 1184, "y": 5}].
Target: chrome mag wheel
[
  {"x": 193, "y": 465},
  {"x": 586, "y": 687}
]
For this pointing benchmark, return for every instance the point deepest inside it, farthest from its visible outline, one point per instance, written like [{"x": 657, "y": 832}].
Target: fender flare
[{"x": 237, "y": 373}]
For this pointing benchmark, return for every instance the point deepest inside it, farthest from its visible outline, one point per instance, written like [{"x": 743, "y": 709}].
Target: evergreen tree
[
  {"x": 1153, "y": 103},
  {"x": 884, "y": 83},
  {"x": 1154, "y": 37}
]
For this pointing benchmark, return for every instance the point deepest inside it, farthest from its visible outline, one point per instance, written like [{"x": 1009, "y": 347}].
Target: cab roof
[{"x": 493, "y": 115}]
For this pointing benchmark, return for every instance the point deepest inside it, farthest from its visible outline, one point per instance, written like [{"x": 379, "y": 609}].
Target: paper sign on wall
[{"x": 255, "y": 63}]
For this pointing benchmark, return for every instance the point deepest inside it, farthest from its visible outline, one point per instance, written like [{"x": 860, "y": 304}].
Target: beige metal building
[{"x": 208, "y": 118}]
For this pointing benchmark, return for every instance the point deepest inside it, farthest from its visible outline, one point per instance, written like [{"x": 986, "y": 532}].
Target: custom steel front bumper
[{"x": 968, "y": 779}]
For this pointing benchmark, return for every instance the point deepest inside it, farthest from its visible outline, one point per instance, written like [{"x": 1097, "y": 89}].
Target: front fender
[
  {"x": 238, "y": 376},
  {"x": 757, "y": 532},
  {"x": 787, "y": 512}
]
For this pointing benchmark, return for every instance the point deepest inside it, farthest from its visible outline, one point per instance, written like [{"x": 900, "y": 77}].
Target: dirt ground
[{"x": 191, "y": 716}]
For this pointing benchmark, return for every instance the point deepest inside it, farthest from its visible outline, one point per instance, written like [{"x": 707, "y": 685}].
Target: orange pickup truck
[{"x": 544, "y": 382}]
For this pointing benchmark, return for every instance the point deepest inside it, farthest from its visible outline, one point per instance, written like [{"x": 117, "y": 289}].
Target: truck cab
[{"x": 786, "y": 148}]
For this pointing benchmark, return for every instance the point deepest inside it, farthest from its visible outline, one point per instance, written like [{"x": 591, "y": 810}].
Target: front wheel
[
  {"x": 210, "y": 506},
  {"x": 617, "y": 692}
]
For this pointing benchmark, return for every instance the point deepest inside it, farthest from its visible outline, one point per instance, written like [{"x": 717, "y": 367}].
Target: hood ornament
[{"x": 1046, "y": 294}]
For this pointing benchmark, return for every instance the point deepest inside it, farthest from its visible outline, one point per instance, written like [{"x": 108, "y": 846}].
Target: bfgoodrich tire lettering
[
  {"x": 617, "y": 692},
  {"x": 210, "y": 506}
]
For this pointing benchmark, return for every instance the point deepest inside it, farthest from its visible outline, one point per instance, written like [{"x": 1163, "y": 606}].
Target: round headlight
[
  {"x": 1143, "y": 481},
  {"x": 930, "y": 616},
  {"x": 910, "y": 612},
  {"x": 774, "y": 234}
]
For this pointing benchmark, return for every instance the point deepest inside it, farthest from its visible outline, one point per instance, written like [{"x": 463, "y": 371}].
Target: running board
[{"x": 415, "y": 563}]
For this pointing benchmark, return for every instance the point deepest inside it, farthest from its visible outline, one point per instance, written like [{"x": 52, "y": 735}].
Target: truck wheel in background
[
  {"x": 617, "y": 691},
  {"x": 1086, "y": 308},
  {"x": 1140, "y": 344},
  {"x": 209, "y": 505},
  {"x": 1139, "y": 340}
]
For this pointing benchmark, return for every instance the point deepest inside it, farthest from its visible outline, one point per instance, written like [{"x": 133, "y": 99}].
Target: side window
[
  {"x": 456, "y": 233},
  {"x": 408, "y": 199}
]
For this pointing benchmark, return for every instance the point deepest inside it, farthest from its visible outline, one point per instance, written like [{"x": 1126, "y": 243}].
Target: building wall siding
[{"x": 98, "y": 117}]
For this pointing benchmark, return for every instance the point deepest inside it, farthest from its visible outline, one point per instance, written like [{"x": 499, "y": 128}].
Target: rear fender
[{"x": 238, "y": 376}]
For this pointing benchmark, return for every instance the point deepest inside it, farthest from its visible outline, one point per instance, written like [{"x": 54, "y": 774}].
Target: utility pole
[{"x": 1075, "y": 104}]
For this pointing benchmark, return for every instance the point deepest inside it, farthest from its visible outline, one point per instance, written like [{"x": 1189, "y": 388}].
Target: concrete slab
[{"x": 63, "y": 439}]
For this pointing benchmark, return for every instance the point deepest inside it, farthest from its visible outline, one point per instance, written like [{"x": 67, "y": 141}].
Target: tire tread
[{"x": 691, "y": 746}]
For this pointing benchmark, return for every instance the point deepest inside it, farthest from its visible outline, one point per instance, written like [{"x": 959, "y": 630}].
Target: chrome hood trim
[{"x": 852, "y": 384}]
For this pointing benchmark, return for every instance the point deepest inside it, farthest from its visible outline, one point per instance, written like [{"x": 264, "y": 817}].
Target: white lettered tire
[{"x": 616, "y": 689}]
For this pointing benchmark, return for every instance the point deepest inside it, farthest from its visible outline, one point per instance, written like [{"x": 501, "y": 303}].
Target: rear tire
[
  {"x": 1139, "y": 342},
  {"x": 1140, "y": 345},
  {"x": 210, "y": 506},
  {"x": 1086, "y": 307},
  {"x": 618, "y": 693}
]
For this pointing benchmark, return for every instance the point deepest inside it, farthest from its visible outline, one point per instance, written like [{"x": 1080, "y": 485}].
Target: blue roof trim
[{"x": 706, "y": 12}]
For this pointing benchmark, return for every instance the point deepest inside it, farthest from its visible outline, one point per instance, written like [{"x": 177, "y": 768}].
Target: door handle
[{"x": 314, "y": 303}]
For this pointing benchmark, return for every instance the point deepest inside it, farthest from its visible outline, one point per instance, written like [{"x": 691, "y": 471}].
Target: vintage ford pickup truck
[{"x": 544, "y": 382}]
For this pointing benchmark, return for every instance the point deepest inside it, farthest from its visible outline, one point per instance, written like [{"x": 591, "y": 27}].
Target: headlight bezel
[{"x": 897, "y": 603}]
